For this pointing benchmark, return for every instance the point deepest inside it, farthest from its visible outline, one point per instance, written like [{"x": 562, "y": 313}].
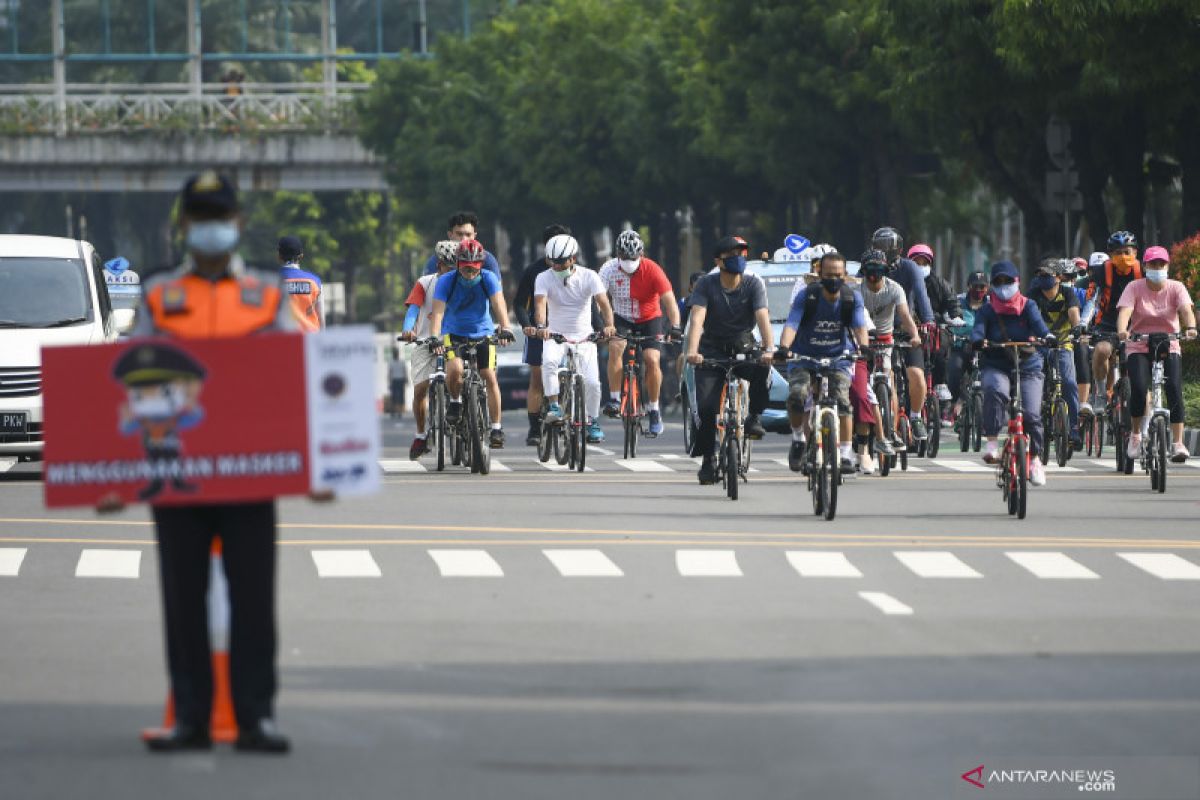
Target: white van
[{"x": 52, "y": 292}]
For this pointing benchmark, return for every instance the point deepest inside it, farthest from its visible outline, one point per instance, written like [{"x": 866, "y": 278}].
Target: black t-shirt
[{"x": 729, "y": 319}]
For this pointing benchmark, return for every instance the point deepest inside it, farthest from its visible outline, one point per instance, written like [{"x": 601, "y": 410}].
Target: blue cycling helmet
[{"x": 1121, "y": 239}]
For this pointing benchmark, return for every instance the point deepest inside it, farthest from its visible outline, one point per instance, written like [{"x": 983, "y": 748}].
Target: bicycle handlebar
[{"x": 594, "y": 337}]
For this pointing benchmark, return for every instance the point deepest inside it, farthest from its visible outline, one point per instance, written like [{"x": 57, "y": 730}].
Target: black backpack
[{"x": 810, "y": 307}]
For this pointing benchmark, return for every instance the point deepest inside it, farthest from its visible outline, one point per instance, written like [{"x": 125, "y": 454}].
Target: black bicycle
[
  {"x": 733, "y": 447},
  {"x": 472, "y": 445},
  {"x": 969, "y": 420},
  {"x": 1157, "y": 443},
  {"x": 439, "y": 396},
  {"x": 1055, "y": 414}
]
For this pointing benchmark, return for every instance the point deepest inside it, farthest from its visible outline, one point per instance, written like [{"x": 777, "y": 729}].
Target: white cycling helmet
[
  {"x": 629, "y": 245},
  {"x": 820, "y": 251},
  {"x": 1097, "y": 259},
  {"x": 447, "y": 251},
  {"x": 561, "y": 247}
]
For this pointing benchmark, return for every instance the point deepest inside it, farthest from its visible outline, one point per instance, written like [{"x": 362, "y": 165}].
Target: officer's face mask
[
  {"x": 158, "y": 402},
  {"x": 213, "y": 237},
  {"x": 629, "y": 266}
]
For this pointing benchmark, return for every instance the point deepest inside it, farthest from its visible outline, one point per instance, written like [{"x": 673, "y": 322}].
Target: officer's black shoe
[
  {"x": 496, "y": 440},
  {"x": 151, "y": 490},
  {"x": 454, "y": 411},
  {"x": 183, "y": 486},
  {"x": 754, "y": 427},
  {"x": 796, "y": 455},
  {"x": 179, "y": 738},
  {"x": 707, "y": 473},
  {"x": 262, "y": 738}
]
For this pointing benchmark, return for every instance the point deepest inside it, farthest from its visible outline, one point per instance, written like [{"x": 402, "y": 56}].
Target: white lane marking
[
  {"x": 643, "y": 465},
  {"x": 670, "y": 455},
  {"x": 1194, "y": 463},
  {"x": 7, "y": 464},
  {"x": 885, "y": 603},
  {"x": 10, "y": 560},
  {"x": 910, "y": 468},
  {"x": 583, "y": 564},
  {"x": 108, "y": 564},
  {"x": 498, "y": 466},
  {"x": 554, "y": 466},
  {"x": 1054, "y": 467},
  {"x": 601, "y": 450},
  {"x": 345, "y": 564},
  {"x": 1052, "y": 565},
  {"x": 466, "y": 564},
  {"x": 822, "y": 564},
  {"x": 707, "y": 563},
  {"x": 962, "y": 466},
  {"x": 780, "y": 461},
  {"x": 1167, "y": 566},
  {"x": 395, "y": 465},
  {"x": 1110, "y": 465},
  {"x": 935, "y": 564}
]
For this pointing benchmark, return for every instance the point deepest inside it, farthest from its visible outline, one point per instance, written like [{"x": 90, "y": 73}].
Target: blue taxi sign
[
  {"x": 795, "y": 243},
  {"x": 117, "y": 265}
]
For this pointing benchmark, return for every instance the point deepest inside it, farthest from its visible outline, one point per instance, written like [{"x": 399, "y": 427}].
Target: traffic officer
[
  {"x": 303, "y": 288},
  {"x": 214, "y": 294}
]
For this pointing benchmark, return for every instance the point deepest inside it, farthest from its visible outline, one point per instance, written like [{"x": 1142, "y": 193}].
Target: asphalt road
[{"x": 628, "y": 633}]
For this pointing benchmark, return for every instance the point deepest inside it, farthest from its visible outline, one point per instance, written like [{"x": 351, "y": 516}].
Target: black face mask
[{"x": 831, "y": 285}]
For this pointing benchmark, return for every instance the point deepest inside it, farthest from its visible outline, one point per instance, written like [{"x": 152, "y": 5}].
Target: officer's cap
[
  {"x": 151, "y": 363},
  {"x": 290, "y": 247},
  {"x": 209, "y": 194}
]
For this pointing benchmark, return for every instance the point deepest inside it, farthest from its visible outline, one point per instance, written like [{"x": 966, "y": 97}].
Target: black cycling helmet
[
  {"x": 1121, "y": 239},
  {"x": 871, "y": 260},
  {"x": 890, "y": 241},
  {"x": 1050, "y": 266},
  {"x": 977, "y": 278}
]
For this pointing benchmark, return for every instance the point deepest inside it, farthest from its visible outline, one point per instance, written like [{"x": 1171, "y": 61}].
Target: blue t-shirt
[
  {"x": 825, "y": 336},
  {"x": 490, "y": 264},
  {"x": 468, "y": 310}
]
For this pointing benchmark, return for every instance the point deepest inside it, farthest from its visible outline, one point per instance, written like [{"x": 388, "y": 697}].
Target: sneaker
[
  {"x": 594, "y": 434},
  {"x": 534, "y": 437},
  {"x": 1037, "y": 473},
  {"x": 884, "y": 447},
  {"x": 754, "y": 427},
  {"x": 918, "y": 429},
  {"x": 947, "y": 422},
  {"x": 1076, "y": 442},
  {"x": 1179, "y": 454},
  {"x": 419, "y": 448},
  {"x": 847, "y": 464},
  {"x": 656, "y": 426},
  {"x": 796, "y": 455},
  {"x": 497, "y": 439},
  {"x": 454, "y": 411},
  {"x": 707, "y": 473},
  {"x": 943, "y": 392},
  {"x": 1085, "y": 408},
  {"x": 898, "y": 443},
  {"x": 612, "y": 408},
  {"x": 1134, "y": 448},
  {"x": 554, "y": 414},
  {"x": 866, "y": 464},
  {"x": 991, "y": 452}
]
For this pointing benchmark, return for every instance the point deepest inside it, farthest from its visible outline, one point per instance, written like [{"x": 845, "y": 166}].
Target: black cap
[
  {"x": 727, "y": 243},
  {"x": 150, "y": 364},
  {"x": 290, "y": 247},
  {"x": 209, "y": 194}
]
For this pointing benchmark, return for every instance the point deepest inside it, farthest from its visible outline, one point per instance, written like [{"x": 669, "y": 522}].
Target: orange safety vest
[
  {"x": 303, "y": 294},
  {"x": 192, "y": 307},
  {"x": 1105, "y": 299}
]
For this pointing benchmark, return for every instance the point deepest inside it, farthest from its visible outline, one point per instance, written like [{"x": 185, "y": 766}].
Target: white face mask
[
  {"x": 1156, "y": 275},
  {"x": 165, "y": 402},
  {"x": 925, "y": 271},
  {"x": 629, "y": 267}
]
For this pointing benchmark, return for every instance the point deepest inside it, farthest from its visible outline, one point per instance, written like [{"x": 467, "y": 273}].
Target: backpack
[{"x": 810, "y": 308}]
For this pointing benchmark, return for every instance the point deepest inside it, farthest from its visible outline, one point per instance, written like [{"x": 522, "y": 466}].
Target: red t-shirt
[{"x": 636, "y": 297}]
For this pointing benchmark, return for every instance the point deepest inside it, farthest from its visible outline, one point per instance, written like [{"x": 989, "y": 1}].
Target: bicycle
[
  {"x": 1117, "y": 407},
  {"x": 567, "y": 436},
  {"x": 1012, "y": 471},
  {"x": 969, "y": 420},
  {"x": 903, "y": 430},
  {"x": 472, "y": 446},
  {"x": 823, "y": 458},
  {"x": 877, "y": 353},
  {"x": 1091, "y": 424},
  {"x": 931, "y": 412},
  {"x": 733, "y": 445},
  {"x": 1154, "y": 451},
  {"x": 631, "y": 411},
  {"x": 438, "y": 398},
  {"x": 1054, "y": 410}
]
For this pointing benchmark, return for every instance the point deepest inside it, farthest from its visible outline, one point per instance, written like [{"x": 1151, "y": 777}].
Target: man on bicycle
[
  {"x": 532, "y": 357},
  {"x": 461, "y": 226},
  {"x": 461, "y": 302},
  {"x": 562, "y": 297},
  {"x": 827, "y": 319},
  {"x": 416, "y": 326},
  {"x": 1155, "y": 304},
  {"x": 1059, "y": 307},
  {"x": 640, "y": 294},
  {"x": 944, "y": 303},
  {"x": 885, "y": 301},
  {"x": 905, "y": 272},
  {"x": 1008, "y": 316},
  {"x": 1108, "y": 282},
  {"x": 726, "y": 309},
  {"x": 961, "y": 354}
]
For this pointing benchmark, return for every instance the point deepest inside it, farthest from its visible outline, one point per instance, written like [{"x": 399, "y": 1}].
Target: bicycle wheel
[
  {"x": 546, "y": 440},
  {"x": 1022, "y": 476},
  {"x": 1004, "y": 479},
  {"x": 1087, "y": 432},
  {"x": 689, "y": 429},
  {"x": 630, "y": 409},
  {"x": 814, "y": 458},
  {"x": 976, "y": 422},
  {"x": 965, "y": 426},
  {"x": 481, "y": 455},
  {"x": 1157, "y": 453},
  {"x": 831, "y": 468},
  {"x": 579, "y": 424},
  {"x": 436, "y": 424},
  {"x": 933, "y": 420},
  {"x": 884, "y": 461},
  {"x": 1099, "y": 433},
  {"x": 903, "y": 431},
  {"x": 1061, "y": 429},
  {"x": 732, "y": 465}
]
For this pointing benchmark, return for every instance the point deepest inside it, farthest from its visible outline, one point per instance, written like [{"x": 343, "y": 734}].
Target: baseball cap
[
  {"x": 1156, "y": 254},
  {"x": 290, "y": 247}
]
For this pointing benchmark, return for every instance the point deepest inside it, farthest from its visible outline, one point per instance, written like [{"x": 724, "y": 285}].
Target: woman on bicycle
[
  {"x": 969, "y": 303},
  {"x": 1155, "y": 304},
  {"x": 1009, "y": 316}
]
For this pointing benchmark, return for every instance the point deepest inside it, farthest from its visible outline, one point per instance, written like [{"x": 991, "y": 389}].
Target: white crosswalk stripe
[
  {"x": 554, "y": 466},
  {"x": 345, "y": 564},
  {"x": 392, "y": 466},
  {"x": 466, "y": 564},
  {"x": 1167, "y": 566},
  {"x": 935, "y": 564},
  {"x": 822, "y": 564},
  {"x": 583, "y": 564},
  {"x": 1052, "y": 565},
  {"x": 886, "y": 603},
  {"x": 109, "y": 564},
  {"x": 10, "y": 560},
  {"x": 1054, "y": 467},
  {"x": 643, "y": 465},
  {"x": 6, "y": 464},
  {"x": 707, "y": 563},
  {"x": 963, "y": 466}
]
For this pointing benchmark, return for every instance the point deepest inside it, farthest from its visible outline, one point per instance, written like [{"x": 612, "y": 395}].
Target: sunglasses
[
  {"x": 1002, "y": 281},
  {"x": 560, "y": 262}
]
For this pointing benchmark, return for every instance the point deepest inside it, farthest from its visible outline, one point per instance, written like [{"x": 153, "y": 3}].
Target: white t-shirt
[
  {"x": 569, "y": 303},
  {"x": 422, "y": 295}
]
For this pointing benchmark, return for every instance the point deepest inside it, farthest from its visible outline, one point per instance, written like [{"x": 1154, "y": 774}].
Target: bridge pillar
[{"x": 58, "y": 39}]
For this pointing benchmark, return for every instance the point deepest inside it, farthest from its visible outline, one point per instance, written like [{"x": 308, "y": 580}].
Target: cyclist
[
  {"x": 1108, "y": 282},
  {"x": 969, "y": 302},
  {"x": 303, "y": 288},
  {"x": 905, "y": 272},
  {"x": 1059, "y": 306},
  {"x": 685, "y": 311},
  {"x": 1155, "y": 304},
  {"x": 640, "y": 294},
  {"x": 1010, "y": 317},
  {"x": 532, "y": 357},
  {"x": 1087, "y": 310},
  {"x": 563, "y": 297},
  {"x": 826, "y": 320},
  {"x": 726, "y": 309},
  {"x": 416, "y": 326},
  {"x": 461, "y": 301},
  {"x": 944, "y": 303},
  {"x": 461, "y": 226},
  {"x": 885, "y": 301}
]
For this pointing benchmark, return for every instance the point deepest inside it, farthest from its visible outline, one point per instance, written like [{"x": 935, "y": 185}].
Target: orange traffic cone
[{"x": 222, "y": 725}]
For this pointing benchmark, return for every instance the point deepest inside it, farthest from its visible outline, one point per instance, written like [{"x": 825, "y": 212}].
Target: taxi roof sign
[{"x": 796, "y": 243}]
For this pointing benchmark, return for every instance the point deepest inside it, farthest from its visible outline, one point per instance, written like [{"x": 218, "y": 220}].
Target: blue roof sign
[{"x": 796, "y": 243}]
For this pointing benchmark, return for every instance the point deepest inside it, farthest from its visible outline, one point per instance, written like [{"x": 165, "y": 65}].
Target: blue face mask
[
  {"x": 1005, "y": 291},
  {"x": 1044, "y": 283},
  {"x": 471, "y": 281},
  {"x": 734, "y": 264},
  {"x": 214, "y": 237},
  {"x": 1156, "y": 275}
]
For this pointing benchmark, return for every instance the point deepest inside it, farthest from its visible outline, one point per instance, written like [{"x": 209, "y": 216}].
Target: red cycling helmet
[{"x": 470, "y": 251}]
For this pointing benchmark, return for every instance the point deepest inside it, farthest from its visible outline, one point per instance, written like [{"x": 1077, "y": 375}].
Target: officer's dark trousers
[{"x": 247, "y": 534}]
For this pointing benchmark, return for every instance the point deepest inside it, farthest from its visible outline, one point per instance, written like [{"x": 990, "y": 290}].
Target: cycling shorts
[
  {"x": 914, "y": 357},
  {"x": 533, "y": 351},
  {"x": 651, "y": 327},
  {"x": 485, "y": 353}
]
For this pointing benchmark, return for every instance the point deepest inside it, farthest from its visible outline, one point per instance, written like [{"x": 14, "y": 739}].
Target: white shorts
[{"x": 421, "y": 364}]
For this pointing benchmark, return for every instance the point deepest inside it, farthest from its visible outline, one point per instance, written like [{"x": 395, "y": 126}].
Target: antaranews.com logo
[{"x": 1084, "y": 780}]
